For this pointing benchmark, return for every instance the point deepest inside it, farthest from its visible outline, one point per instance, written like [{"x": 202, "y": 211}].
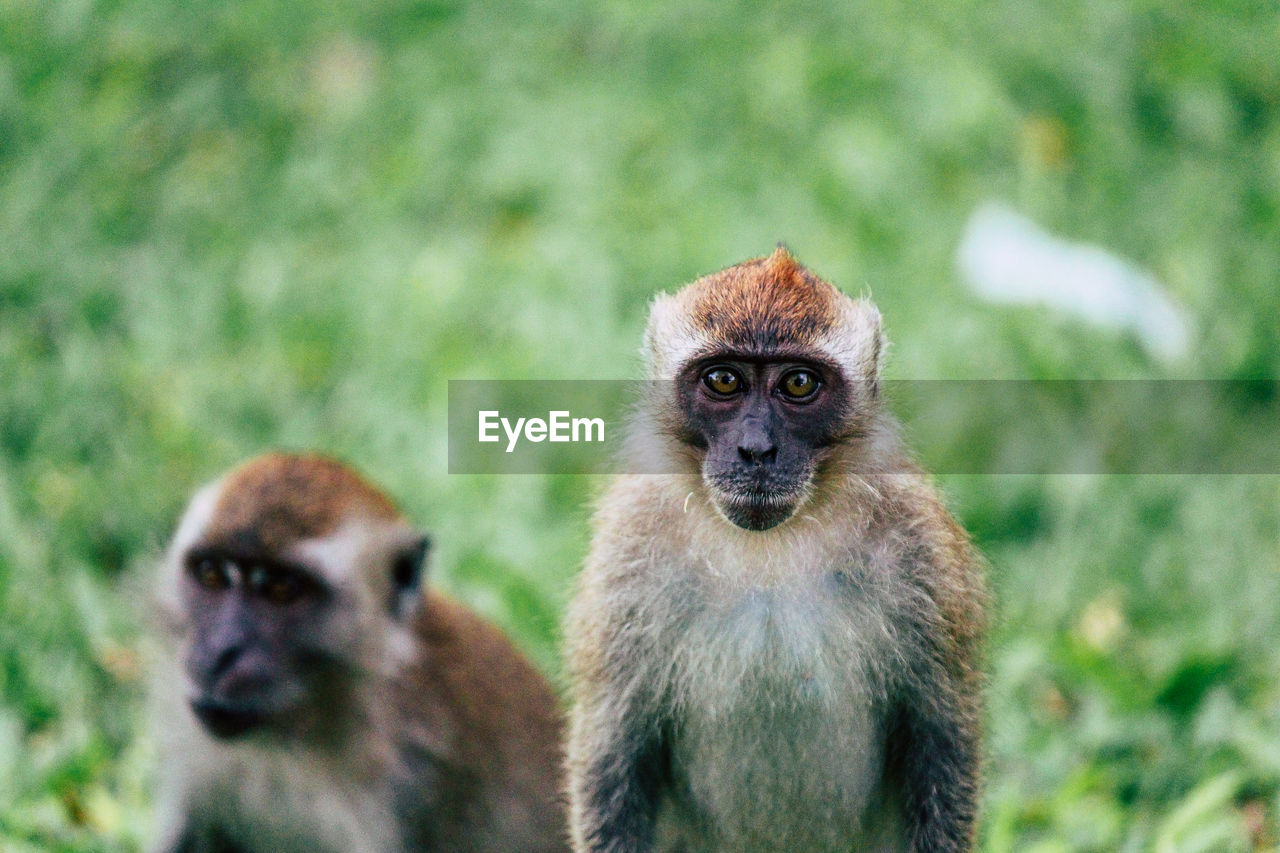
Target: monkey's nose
[
  {"x": 755, "y": 444},
  {"x": 757, "y": 453}
]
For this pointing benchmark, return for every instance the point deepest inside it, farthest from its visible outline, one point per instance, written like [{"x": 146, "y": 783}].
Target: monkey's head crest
[
  {"x": 763, "y": 306},
  {"x": 284, "y": 497}
]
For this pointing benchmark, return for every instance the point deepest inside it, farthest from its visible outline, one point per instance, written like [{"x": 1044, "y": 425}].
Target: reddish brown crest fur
[
  {"x": 282, "y": 498},
  {"x": 763, "y": 303}
]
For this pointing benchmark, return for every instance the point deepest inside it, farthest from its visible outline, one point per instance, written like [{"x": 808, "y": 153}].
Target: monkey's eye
[
  {"x": 277, "y": 587},
  {"x": 212, "y": 574},
  {"x": 799, "y": 385},
  {"x": 722, "y": 381}
]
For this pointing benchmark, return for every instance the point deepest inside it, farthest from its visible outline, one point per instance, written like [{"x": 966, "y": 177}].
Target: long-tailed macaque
[{"x": 773, "y": 650}]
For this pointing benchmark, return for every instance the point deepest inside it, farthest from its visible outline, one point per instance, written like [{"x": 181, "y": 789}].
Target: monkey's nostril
[{"x": 225, "y": 660}]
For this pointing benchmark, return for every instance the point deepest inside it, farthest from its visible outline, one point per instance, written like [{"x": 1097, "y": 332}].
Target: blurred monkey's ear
[{"x": 407, "y": 568}]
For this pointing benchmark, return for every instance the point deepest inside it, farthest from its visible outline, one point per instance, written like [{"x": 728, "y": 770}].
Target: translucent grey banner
[{"x": 951, "y": 426}]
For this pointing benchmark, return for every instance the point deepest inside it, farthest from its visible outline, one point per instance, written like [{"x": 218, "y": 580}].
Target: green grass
[{"x": 228, "y": 227}]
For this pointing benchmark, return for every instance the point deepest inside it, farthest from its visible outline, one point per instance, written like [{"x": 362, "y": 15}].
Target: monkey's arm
[
  {"x": 616, "y": 748},
  {"x": 617, "y": 759},
  {"x": 935, "y": 748}
]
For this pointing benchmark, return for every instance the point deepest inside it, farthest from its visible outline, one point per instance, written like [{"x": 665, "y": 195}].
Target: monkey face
[
  {"x": 289, "y": 582},
  {"x": 764, "y": 425},
  {"x": 254, "y": 657}
]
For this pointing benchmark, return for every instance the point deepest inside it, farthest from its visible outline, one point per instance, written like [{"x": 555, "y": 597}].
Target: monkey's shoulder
[
  {"x": 479, "y": 715},
  {"x": 921, "y": 544},
  {"x": 469, "y": 677}
]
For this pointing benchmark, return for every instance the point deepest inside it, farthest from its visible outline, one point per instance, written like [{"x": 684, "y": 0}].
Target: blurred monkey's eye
[
  {"x": 277, "y": 587},
  {"x": 282, "y": 590},
  {"x": 799, "y": 385},
  {"x": 212, "y": 574},
  {"x": 722, "y": 381}
]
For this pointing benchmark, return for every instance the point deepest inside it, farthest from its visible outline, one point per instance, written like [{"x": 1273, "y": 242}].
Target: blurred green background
[{"x": 226, "y": 227}]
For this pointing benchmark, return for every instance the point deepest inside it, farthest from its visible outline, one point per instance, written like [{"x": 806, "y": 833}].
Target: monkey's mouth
[
  {"x": 756, "y": 509},
  {"x": 756, "y": 513},
  {"x": 225, "y": 721},
  {"x": 757, "y": 499}
]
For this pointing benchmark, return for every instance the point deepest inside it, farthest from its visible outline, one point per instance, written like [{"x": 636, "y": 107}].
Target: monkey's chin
[
  {"x": 756, "y": 514},
  {"x": 225, "y": 722}
]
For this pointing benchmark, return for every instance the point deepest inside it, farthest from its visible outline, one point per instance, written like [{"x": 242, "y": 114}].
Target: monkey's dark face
[
  {"x": 257, "y": 656},
  {"x": 764, "y": 425}
]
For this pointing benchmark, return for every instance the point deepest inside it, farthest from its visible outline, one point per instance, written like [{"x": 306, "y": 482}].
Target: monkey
[
  {"x": 315, "y": 697},
  {"x": 773, "y": 645}
]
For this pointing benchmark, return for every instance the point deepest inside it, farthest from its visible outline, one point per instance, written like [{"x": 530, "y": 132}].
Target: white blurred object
[{"x": 1007, "y": 258}]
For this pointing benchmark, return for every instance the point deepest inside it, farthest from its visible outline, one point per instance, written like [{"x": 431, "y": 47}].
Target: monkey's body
[
  {"x": 777, "y": 689},
  {"x": 803, "y": 683},
  {"x": 776, "y": 745},
  {"x": 355, "y": 713}
]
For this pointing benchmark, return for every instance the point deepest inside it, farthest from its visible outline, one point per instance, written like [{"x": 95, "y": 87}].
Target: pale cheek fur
[
  {"x": 195, "y": 521},
  {"x": 350, "y": 559},
  {"x": 670, "y": 341}
]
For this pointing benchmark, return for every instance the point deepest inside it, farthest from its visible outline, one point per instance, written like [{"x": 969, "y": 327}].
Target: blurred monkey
[{"x": 319, "y": 701}]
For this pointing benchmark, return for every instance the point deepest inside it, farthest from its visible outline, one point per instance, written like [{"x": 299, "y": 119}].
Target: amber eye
[
  {"x": 212, "y": 574},
  {"x": 277, "y": 587},
  {"x": 722, "y": 381},
  {"x": 282, "y": 590},
  {"x": 799, "y": 384}
]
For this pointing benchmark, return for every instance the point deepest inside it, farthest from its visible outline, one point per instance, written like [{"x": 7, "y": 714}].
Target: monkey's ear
[
  {"x": 878, "y": 344},
  {"x": 858, "y": 344},
  {"x": 407, "y": 569}
]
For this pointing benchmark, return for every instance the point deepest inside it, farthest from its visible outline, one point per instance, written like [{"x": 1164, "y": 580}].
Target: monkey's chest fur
[{"x": 779, "y": 739}]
